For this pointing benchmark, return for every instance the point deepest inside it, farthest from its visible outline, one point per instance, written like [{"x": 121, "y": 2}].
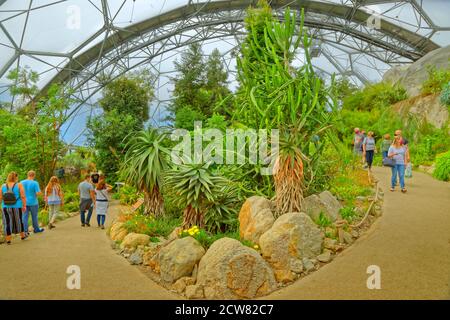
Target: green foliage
[
  {"x": 348, "y": 213},
  {"x": 125, "y": 109},
  {"x": 30, "y": 137},
  {"x": 437, "y": 78},
  {"x": 323, "y": 221},
  {"x": 148, "y": 225},
  {"x": 374, "y": 96},
  {"x": 206, "y": 239},
  {"x": 128, "y": 195},
  {"x": 442, "y": 170},
  {"x": 445, "y": 94},
  {"x": 186, "y": 116},
  {"x": 145, "y": 160},
  {"x": 200, "y": 87}
]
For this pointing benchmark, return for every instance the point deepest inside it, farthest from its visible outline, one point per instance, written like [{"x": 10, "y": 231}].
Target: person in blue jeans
[
  {"x": 32, "y": 191},
  {"x": 87, "y": 199},
  {"x": 398, "y": 152}
]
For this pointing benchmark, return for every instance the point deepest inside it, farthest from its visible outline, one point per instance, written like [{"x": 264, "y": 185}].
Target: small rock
[
  {"x": 324, "y": 257},
  {"x": 136, "y": 257},
  {"x": 194, "y": 292},
  {"x": 355, "y": 234},
  {"x": 297, "y": 266},
  {"x": 329, "y": 243},
  {"x": 348, "y": 239},
  {"x": 307, "y": 264},
  {"x": 126, "y": 255},
  {"x": 181, "y": 284},
  {"x": 284, "y": 276}
]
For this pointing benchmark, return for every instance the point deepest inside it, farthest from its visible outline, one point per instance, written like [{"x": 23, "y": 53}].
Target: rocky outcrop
[
  {"x": 293, "y": 237},
  {"x": 178, "y": 258},
  {"x": 255, "y": 218},
  {"x": 411, "y": 77},
  {"x": 424, "y": 109},
  {"x": 133, "y": 240},
  {"x": 230, "y": 270},
  {"x": 324, "y": 202}
]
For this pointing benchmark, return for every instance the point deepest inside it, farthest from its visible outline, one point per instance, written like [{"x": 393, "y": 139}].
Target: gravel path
[{"x": 410, "y": 243}]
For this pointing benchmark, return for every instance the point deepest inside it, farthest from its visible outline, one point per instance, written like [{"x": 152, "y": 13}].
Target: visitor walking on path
[
  {"x": 404, "y": 142},
  {"x": 369, "y": 149},
  {"x": 397, "y": 151},
  {"x": 357, "y": 142},
  {"x": 87, "y": 198},
  {"x": 32, "y": 191},
  {"x": 54, "y": 198},
  {"x": 12, "y": 196},
  {"x": 102, "y": 202},
  {"x": 385, "y": 144}
]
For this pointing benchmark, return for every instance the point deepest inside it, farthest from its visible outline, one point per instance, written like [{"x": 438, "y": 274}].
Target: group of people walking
[
  {"x": 395, "y": 153},
  {"x": 19, "y": 200}
]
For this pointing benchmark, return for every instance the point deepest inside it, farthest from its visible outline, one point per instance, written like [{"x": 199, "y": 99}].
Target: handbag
[{"x": 389, "y": 162}]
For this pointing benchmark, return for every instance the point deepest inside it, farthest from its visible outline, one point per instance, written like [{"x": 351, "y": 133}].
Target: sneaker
[
  {"x": 39, "y": 231},
  {"x": 103, "y": 227},
  {"x": 82, "y": 224},
  {"x": 87, "y": 224},
  {"x": 8, "y": 242}
]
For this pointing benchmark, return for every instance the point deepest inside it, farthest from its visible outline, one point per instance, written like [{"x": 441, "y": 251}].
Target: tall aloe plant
[
  {"x": 143, "y": 167},
  {"x": 275, "y": 95}
]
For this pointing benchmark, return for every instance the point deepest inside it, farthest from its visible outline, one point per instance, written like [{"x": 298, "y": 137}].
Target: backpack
[{"x": 9, "y": 197}]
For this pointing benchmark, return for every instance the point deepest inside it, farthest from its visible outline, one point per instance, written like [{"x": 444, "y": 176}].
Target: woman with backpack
[
  {"x": 101, "y": 202},
  {"x": 12, "y": 196},
  {"x": 54, "y": 198}
]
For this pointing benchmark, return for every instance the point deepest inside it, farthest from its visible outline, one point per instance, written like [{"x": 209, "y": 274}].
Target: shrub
[
  {"x": 442, "y": 170},
  {"x": 348, "y": 213},
  {"x": 129, "y": 195},
  {"x": 206, "y": 239},
  {"x": 437, "y": 78},
  {"x": 375, "y": 96},
  {"x": 148, "y": 225},
  {"x": 323, "y": 221},
  {"x": 445, "y": 95}
]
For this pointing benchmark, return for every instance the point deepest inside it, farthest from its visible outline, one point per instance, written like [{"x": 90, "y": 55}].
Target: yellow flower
[{"x": 256, "y": 246}]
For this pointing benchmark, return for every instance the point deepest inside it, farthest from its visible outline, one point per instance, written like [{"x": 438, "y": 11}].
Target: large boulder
[
  {"x": 255, "y": 218},
  {"x": 178, "y": 258},
  {"x": 413, "y": 76},
  {"x": 324, "y": 202},
  {"x": 293, "y": 237},
  {"x": 230, "y": 270},
  {"x": 133, "y": 240},
  {"x": 118, "y": 231}
]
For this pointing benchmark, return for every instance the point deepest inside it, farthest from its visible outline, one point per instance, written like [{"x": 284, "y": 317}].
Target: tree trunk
[
  {"x": 154, "y": 202},
  {"x": 289, "y": 186},
  {"x": 192, "y": 217}
]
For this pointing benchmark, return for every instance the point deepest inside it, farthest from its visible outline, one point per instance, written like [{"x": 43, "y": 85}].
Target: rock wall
[{"x": 412, "y": 76}]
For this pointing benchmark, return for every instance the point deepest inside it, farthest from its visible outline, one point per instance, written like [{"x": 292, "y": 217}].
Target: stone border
[{"x": 182, "y": 266}]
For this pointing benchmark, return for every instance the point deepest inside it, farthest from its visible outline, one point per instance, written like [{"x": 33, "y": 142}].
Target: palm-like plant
[
  {"x": 143, "y": 167},
  {"x": 195, "y": 188}
]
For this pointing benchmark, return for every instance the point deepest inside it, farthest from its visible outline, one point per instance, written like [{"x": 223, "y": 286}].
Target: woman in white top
[
  {"x": 101, "y": 202},
  {"x": 54, "y": 198}
]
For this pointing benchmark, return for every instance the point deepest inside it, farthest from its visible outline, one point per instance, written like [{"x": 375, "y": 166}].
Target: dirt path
[
  {"x": 410, "y": 243},
  {"x": 36, "y": 268}
]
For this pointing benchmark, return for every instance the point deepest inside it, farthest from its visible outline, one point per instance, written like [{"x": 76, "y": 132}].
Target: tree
[
  {"x": 144, "y": 164},
  {"x": 125, "y": 110},
  {"x": 200, "y": 87},
  {"x": 274, "y": 95}
]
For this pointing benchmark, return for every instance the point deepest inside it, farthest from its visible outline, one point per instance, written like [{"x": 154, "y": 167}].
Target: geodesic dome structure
[{"x": 80, "y": 43}]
